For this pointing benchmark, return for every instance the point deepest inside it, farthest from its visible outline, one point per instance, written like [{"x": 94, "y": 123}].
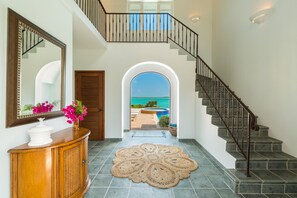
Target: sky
[{"x": 150, "y": 84}]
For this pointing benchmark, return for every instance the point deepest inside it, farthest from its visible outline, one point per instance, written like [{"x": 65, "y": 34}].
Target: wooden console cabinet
[{"x": 55, "y": 170}]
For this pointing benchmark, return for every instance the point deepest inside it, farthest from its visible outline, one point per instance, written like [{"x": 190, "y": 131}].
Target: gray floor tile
[
  {"x": 92, "y": 153},
  {"x": 255, "y": 196},
  {"x": 90, "y": 158},
  {"x": 96, "y": 193},
  {"x": 149, "y": 193},
  {"x": 294, "y": 171},
  {"x": 200, "y": 182},
  {"x": 101, "y": 181},
  {"x": 109, "y": 160},
  {"x": 95, "y": 149},
  {"x": 217, "y": 181},
  {"x": 184, "y": 193},
  {"x": 117, "y": 193},
  {"x": 92, "y": 177},
  {"x": 106, "y": 169},
  {"x": 140, "y": 185},
  {"x": 209, "y": 170},
  {"x": 277, "y": 196},
  {"x": 103, "y": 153},
  {"x": 207, "y": 193},
  {"x": 93, "y": 169},
  {"x": 185, "y": 183},
  {"x": 226, "y": 193},
  {"x": 202, "y": 161},
  {"x": 99, "y": 160},
  {"x": 292, "y": 195},
  {"x": 120, "y": 182}
]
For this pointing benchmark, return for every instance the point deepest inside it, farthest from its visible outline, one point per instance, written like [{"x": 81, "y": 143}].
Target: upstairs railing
[
  {"x": 96, "y": 13},
  {"x": 150, "y": 28},
  {"x": 235, "y": 116},
  {"x": 29, "y": 40}
]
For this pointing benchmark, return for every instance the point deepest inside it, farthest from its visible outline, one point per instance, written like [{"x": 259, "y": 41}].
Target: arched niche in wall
[{"x": 47, "y": 83}]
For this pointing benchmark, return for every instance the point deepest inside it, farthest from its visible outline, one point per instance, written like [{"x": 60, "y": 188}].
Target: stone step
[
  {"x": 212, "y": 111},
  {"x": 222, "y": 102},
  {"x": 266, "y": 161},
  {"x": 258, "y": 144},
  {"x": 262, "y": 132},
  {"x": 234, "y": 121},
  {"x": 212, "y": 92},
  {"x": 262, "y": 182}
]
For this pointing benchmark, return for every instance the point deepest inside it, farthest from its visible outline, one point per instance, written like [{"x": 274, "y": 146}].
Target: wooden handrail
[{"x": 231, "y": 92}]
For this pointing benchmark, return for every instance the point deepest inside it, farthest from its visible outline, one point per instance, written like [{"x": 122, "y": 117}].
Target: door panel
[
  {"x": 89, "y": 88},
  {"x": 71, "y": 170}
]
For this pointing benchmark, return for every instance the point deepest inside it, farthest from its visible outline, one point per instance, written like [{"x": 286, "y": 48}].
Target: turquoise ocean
[{"x": 163, "y": 102}]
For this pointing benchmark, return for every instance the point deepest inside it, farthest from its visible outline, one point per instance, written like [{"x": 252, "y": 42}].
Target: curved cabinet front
[{"x": 58, "y": 169}]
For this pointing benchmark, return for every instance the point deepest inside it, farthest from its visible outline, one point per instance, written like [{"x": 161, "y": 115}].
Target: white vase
[{"x": 40, "y": 134}]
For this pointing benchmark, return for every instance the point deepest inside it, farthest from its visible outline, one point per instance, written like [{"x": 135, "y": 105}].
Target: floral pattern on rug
[{"x": 161, "y": 166}]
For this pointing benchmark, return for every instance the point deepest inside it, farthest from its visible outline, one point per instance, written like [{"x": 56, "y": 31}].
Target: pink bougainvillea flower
[
  {"x": 75, "y": 112},
  {"x": 44, "y": 107}
]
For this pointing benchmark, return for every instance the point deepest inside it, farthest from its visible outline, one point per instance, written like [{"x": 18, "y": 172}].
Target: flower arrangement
[
  {"x": 75, "y": 112},
  {"x": 44, "y": 107}
]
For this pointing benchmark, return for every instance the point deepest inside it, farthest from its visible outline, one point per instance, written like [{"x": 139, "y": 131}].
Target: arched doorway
[
  {"x": 143, "y": 67},
  {"x": 150, "y": 101}
]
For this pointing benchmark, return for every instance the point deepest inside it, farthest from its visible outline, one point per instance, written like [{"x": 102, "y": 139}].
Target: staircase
[
  {"x": 261, "y": 166},
  {"x": 272, "y": 171},
  {"x": 30, "y": 41}
]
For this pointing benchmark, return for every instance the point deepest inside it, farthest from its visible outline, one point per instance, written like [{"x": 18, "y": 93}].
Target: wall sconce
[
  {"x": 195, "y": 19},
  {"x": 261, "y": 16}
]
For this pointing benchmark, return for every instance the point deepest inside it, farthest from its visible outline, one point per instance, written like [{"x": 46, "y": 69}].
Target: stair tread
[
  {"x": 264, "y": 176},
  {"x": 257, "y": 156},
  {"x": 254, "y": 139},
  {"x": 261, "y": 127}
]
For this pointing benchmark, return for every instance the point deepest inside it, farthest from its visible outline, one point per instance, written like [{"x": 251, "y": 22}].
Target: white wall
[
  {"x": 118, "y": 59},
  {"x": 183, "y": 10},
  {"x": 53, "y": 18},
  {"x": 207, "y": 136},
  {"x": 259, "y": 61}
]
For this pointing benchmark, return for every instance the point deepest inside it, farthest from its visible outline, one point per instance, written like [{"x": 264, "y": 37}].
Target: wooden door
[{"x": 89, "y": 88}]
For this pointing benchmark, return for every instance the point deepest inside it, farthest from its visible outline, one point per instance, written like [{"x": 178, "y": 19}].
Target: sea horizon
[
  {"x": 150, "y": 97},
  {"x": 163, "y": 102}
]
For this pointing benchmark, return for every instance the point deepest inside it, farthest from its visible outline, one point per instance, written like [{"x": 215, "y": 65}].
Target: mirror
[{"x": 35, "y": 72}]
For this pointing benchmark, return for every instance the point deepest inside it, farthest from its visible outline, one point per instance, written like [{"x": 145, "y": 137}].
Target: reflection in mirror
[
  {"x": 40, "y": 75},
  {"x": 35, "y": 72}
]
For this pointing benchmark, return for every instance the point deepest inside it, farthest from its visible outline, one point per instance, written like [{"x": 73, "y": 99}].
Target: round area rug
[{"x": 160, "y": 166}]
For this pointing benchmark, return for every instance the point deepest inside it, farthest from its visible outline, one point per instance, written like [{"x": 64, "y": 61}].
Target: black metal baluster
[
  {"x": 242, "y": 125},
  {"x": 113, "y": 29},
  {"x": 140, "y": 31},
  {"x": 127, "y": 27}
]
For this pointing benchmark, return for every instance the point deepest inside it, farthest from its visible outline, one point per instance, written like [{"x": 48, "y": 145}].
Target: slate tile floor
[{"x": 205, "y": 182}]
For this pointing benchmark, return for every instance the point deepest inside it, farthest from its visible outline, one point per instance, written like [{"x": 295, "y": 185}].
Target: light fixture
[
  {"x": 195, "y": 19},
  {"x": 261, "y": 16}
]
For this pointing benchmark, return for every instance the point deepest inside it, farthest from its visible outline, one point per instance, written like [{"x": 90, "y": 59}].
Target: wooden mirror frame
[{"x": 13, "y": 72}]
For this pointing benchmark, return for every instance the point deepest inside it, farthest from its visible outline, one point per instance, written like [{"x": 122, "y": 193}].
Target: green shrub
[
  {"x": 137, "y": 106},
  {"x": 164, "y": 121},
  {"x": 151, "y": 104}
]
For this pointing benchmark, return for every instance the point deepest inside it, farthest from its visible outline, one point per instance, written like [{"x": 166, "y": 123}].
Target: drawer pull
[{"x": 84, "y": 162}]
